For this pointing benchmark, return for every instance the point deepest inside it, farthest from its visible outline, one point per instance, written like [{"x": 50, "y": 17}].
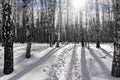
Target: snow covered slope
[{"x": 69, "y": 62}]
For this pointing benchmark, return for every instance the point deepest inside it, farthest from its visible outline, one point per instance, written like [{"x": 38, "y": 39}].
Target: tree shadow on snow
[
  {"x": 101, "y": 63},
  {"x": 35, "y": 64},
  {"x": 106, "y": 52},
  {"x": 21, "y": 58},
  {"x": 1, "y": 73},
  {"x": 84, "y": 68}
]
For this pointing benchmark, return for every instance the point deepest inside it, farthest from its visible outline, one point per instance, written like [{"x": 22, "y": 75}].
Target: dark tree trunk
[
  {"x": 57, "y": 36},
  {"x": 97, "y": 43},
  {"x": 57, "y": 45},
  {"x": 82, "y": 42},
  {"x": 116, "y": 59},
  {"x": 7, "y": 37},
  {"x": 27, "y": 26}
]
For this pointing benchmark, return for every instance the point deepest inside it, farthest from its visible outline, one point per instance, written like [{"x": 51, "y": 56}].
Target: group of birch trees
[{"x": 53, "y": 21}]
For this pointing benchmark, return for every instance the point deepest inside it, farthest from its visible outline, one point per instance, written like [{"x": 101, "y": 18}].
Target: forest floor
[{"x": 68, "y": 62}]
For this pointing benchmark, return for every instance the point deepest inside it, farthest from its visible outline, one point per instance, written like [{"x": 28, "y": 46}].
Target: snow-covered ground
[{"x": 68, "y": 62}]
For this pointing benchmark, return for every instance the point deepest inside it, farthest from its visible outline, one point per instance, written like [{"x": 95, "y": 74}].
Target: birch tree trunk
[
  {"x": 59, "y": 24},
  {"x": 116, "y": 59},
  {"x": 97, "y": 25},
  {"x": 26, "y": 26},
  {"x": 67, "y": 25},
  {"x": 8, "y": 37},
  {"x": 51, "y": 20},
  {"x": 81, "y": 28}
]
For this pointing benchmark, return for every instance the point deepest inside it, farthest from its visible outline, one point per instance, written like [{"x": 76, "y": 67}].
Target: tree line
[{"x": 70, "y": 30}]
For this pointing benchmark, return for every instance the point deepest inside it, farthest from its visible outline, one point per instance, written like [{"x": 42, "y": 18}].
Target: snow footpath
[{"x": 68, "y": 62}]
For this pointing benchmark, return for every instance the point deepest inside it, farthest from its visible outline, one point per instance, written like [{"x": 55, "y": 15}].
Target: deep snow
[{"x": 68, "y": 62}]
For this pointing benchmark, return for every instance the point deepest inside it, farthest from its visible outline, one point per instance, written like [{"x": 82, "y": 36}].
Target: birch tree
[
  {"x": 116, "y": 59},
  {"x": 59, "y": 24},
  {"x": 81, "y": 28},
  {"x": 51, "y": 20},
  {"x": 27, "y": 26},
  {"x": 97, "y": 25},
  {"x": 7, "y": 36}
]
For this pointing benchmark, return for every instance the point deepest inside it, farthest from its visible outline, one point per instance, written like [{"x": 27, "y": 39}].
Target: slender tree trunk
[
  {"x": 116, "y": 59},
  {"x": 8, "y": 37},
  {"x": 26, "y": 26},
  {"x": 82, "y": 31},
  {"x": 15, "y": 20},
  {"x": 67, "y": 25},
  {"x": 51, "y": 21},
  {"x": 86, "y": 39},
  {"x": 32, "y": 26},
  {"x": 97, "y": 25},
  {"x": 59, "y": 24}
]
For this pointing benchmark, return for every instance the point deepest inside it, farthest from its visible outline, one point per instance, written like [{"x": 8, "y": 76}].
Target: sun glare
[{"x": 78, "y": 4}]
